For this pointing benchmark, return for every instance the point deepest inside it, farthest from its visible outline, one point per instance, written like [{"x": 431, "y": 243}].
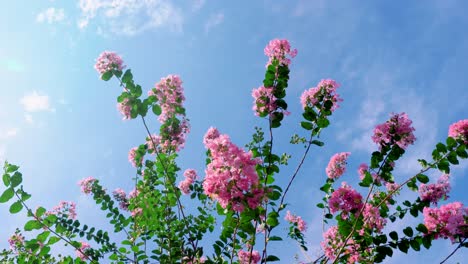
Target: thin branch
[{"x": 455, "y": 250}]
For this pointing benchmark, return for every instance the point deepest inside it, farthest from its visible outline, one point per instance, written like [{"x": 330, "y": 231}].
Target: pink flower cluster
[
  {"x": 372, "y": 218},
  {"x": 132, "y": 157},
  {"x": 363, "y": 168},
  {"x": 396, "y": 130},
  {"x": 325, "y": 90},
  {"x": 83, "y": 248},
  {"x": 231, "y": 177},
  {"x": 121, "y": 197},
  {"x": 125, "y": 109},
  {"x": 190, "y": 176},
  {"x": 108, "y": 61},
  {"x": 16, "y": 241},
  {"x": 246, "y": 258},
  {"x": 435, "y": 191},
  {"x": 264, "y": 101},
  {"x": 459, "y": 130},
  {"x": 333, "y": 242},
  {"x": 186, "y": 260},
  {"x": 174, "y": 135},
  {"x": 86, "y": 184},
  {"x": 153, "y": 142},
  {"x": 280, "y": 49},
  {"x": 64, "y": 209},
  {"x": 337, "y": 165},
  {"x": 170, "y": 95},
  {"x": 345, "y": 199},
  {"x": 301, "y": 224},
  {"x": 448, "y": 221}
]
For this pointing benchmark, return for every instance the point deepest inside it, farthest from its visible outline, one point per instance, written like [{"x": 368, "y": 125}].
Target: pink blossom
[
  {"x": 86, "y": 185},
  {"x": 170, "y": 95},
  {"x": 397, "y": 130},
  {"x": 136, "y": 212},
  {"x": 301, "y": 224},
  {"x": 125, "y": 108},
  {"x": 363, "y": 168},
  {"x": 231, "y": 178},
  {"x": 64, "y": 209},
  {"x": 108, "y": 61},
  {"x": 448, "y": 221},
  {"x": 174, "y": 135},
  {"x": 435, "y": 191},
  {"x": 337, "y": 165},
  {"x": 210, "y": 135},
  {"x": 345, "y": 199},
  {"x": 324, "y": 91},
  {"x": 333, "y": 242},
  {"x": 121, "y": 197},
  {"x": 392, "y": 187},
  {"x": 16, "y": 241},
  {"x": 83, "y": 248},
  {"x": 246, "y": 258},
  {"x": 264, "y": 101},
  {"x": 372, "y": 218},
  {"x": 280, "y": 49},
  {"x": 132, "y": 157},
  {"x": 190, "y": 176},
  {"x": 134, "y": 193},
  {"x": 153, "y": 142},
  {"x": 459, "y": 130}
]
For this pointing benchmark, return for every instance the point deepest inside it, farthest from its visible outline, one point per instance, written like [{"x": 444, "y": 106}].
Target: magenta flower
[
  {"x": 125, "y": 109},
  {"x": 301, "y": 224},
  {"x": 16, "y": 241},
  {"x": 264, "y": 101},
  {"x": 280, "y": 49},
  {"x": 372, "y": 218},
  {"x": 108, "y": 61},
  {"x": 345, "y": 199},
  {"x": 132, "y": 157},
  {"x": 86, "y": 185},
  {"x": 448, "y": 221},
  {"x": 324, "y": 91},
  {"x": 190, "y": 176},
  {"x": 64, "y": 209},
  {"x": 337, "y": 165},
  {"x": 459, "y": 130},
  {"x": 153, "y": 142},
  {"x": 397, "y": 130},
  {"x": 246, "y": 258},
  {"x": 170, "y": 95},
  {"x": 121, "y": 197},
  {"x": 434, "y": 192}
]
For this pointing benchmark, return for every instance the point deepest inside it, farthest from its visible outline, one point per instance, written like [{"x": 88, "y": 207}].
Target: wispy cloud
[
  {"x": 34, "y": 102},
  {"x": 51, "y": 15},
  {"x": 130, "y": 17},
  {"x": 197, "y": 5},
  {"x": 9, "y": 133},
  {"x": 28, "y": 118},
  {"x": 213, "y": 21}
]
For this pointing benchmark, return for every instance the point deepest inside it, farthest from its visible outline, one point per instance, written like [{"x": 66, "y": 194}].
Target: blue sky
[{"x": 60, "y": 123}]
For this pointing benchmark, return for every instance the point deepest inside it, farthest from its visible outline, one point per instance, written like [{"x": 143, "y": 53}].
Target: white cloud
[
  {"x": 51, "y": 15},
  {"x": 34, "y": 102},
  {"x": 213, "y": 21},
  {"x": 197, "y": 5},
  {"x": 28, "y": 118},
  {"x": 130, "y": 17},
  {"x": 9, "y": 133}
]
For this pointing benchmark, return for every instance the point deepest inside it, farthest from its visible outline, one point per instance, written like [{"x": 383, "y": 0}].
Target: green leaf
[
  {"x": 157, "y": 109},
  {"x": 16, "y": 179},
  {"x": 32, "y": 224},
  {"x": 12, "y": 168},
  {"x": 275, "y": 238},
  {"x": 408, "y": 231},
  {"x": 441, "y": 147},
  {"x": 422, "y": 178},
  {"x": 306, "y": 125},
  {"x": 128, "y": 76},
  {"x": 320, "y": 205},
  {"x": 415, "y": 245},
  {"x": 40, "y": 211},
  {"x": 317, "y": 142},
  {"x": 7, "y": 195},
  {"x": 16, "y": 207},
  {"x": 6, "y": 179},
  {"x": 451, "y": 142},
  {"x": 403, "y": 246},
  {"x": 421, "y": 228},
  {"x": 367, "y": 181},
  {"x": 272, "y": 258},
  {"x": 107, "y": 76},
  {"x": 323, "y": 122},
  {"x": 393, "y": 235}
]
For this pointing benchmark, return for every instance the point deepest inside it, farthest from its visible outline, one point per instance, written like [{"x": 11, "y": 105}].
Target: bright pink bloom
[
  {"x": 246, "y": 258},
  {"x": 392, "y": 187},
  {"x": 132, "y": 157},
  {"x": 231, "y": 177},
  {"x": 170, "y": 95},
  {"x": 152, "y": 142},
  {"x": 301, "y": 224},
  {"x": 435, "y": 191},
  {"x": 264, "y": 101},
  {"x": 108, "y": 61},
  {"x": 459, "y": 130},
  {"x": 121, "y": 197},
  {"x": 134, "y": 193},
  {"x": 448, "y": 221},
  {"x": 136, "y": 212},
  {"x": 86, "y": 184},
  {"x": 280, "y": 49},
  {"x": 125, "y": 109},
  {"x": 337, "y": 165},
  {"x": 372, "y": 218},
  {"x": 83, "y": 248},
  {"x": 397, "y": 130},
  {"x": 190, "y": 176},
  {"x": 345, "y": 199},
  {"x": 317, "y": 96},
  {"x": 333, "y": 242}
]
